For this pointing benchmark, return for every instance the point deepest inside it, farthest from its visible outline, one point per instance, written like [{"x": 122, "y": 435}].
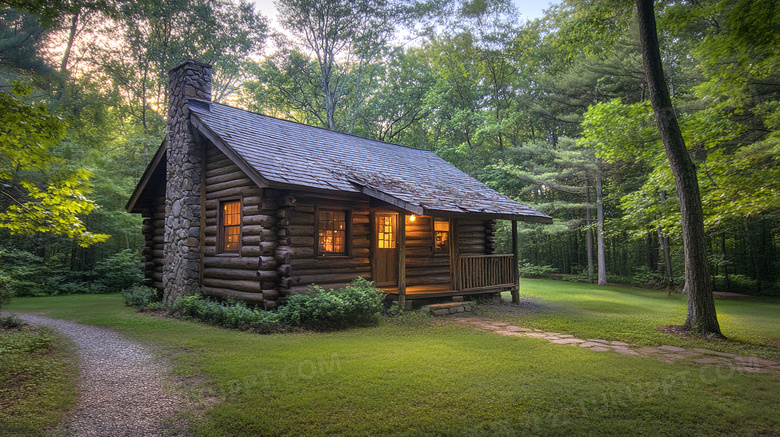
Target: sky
[{"x": 529, "y": 9}]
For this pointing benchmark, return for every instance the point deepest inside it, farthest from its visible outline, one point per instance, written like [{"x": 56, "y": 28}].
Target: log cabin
[{"x": 246, "y": 206}]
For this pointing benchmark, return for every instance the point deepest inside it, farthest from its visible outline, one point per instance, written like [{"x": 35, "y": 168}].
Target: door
[{"x": 386, "y": 258}]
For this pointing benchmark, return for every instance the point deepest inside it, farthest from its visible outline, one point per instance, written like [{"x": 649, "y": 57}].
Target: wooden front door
[{"x": 386, "y": 259}]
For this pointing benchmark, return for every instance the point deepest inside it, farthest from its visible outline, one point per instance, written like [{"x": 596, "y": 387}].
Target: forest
[{"x": 553, "y": 112}]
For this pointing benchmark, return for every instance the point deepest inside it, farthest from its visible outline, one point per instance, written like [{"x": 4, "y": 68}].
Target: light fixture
[{"x": 412, "y": 218}]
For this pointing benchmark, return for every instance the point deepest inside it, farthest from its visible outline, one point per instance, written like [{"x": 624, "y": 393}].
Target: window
[
  {"x": 331, "y": 232},
  {"x": 230, "y": 226},
  {"x": 441, "y": 236},
  {"x": 385, "y": 236}
]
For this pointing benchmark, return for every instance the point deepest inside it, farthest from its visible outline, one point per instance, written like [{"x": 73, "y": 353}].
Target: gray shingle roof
[{"x": 289, "y": 154}]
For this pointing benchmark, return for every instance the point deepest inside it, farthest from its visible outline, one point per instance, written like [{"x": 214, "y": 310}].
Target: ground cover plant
[
  {"x": 38, "y": 378},
  {"x": 416, "y": 375}
]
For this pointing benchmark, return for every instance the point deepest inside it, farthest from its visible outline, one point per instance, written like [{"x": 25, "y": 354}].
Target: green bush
[
  {"x": 10, "y": 322},
  {"x": 534, "y": 271},
  {"x": 357, "y": 304},
  {"x": 121, "y": 271},
  {"x": 6, "y": 292},
  {"x": 140, "y": 296}
]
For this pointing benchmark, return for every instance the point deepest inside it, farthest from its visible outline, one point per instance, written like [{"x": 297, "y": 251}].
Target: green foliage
[
  {"x": 357, "y": 304},
  {"x": 140, "y": 296},
  {"x": 46, "y": 195},
  {"x": 6, "y": 291},
  {"x": 120, "y": 271},
  {"x": 10, "y": 322},
  {"x": 533, "y": 271}
]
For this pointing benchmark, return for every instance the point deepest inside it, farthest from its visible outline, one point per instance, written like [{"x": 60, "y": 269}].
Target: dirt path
[{"x": 123, "y": 390}]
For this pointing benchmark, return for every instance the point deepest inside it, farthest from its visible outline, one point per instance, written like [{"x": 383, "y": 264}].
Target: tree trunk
[
  {"x": 589, "y": 222},
  {"x": 71, "y": 38},
  {"x": 602, "y": 258},
  {"x": 701, "y": 316}
]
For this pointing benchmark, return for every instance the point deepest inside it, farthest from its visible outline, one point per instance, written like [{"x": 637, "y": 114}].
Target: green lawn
[{"x": 419, "y": 376}]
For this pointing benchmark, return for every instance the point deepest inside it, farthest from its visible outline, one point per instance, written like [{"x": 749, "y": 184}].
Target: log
[
  {"x": 236, "y": 191},
  {"x": 429, "y": 280},
  {"x": 288, "y": 200},
  {"x": 326, "y": 263},
  {"x": 238, "y": 175},
  {"x": 267, "y": 275},
  {"x": 328, "y": 277},
  {"x": 254, "y": 298},
  {"x": 296, "y": 230},
  {"x": 471, "y": 241},
  {"x": 210, "y": 231},
  {"x": 265, "y": 221},
  {"x": 231, "y": 262},
  {"x": 303, "y": 289},
  {"x": 266, "y": 234},
  {"x": 242, "y": 183},
  {"x": 270, "y": 294},
  {"x": 249, "y": 286},
  {"x": 314, "y": 271},
  {"x": 297, "y": 241},
  {"x": 232, "y": 168},
  {"x": 295, "y": 219},
  {"x": 232, "y": 274},
  {"x": 270, "y": 304},
  {"x": 284, "y": 270},
  {"x": 286, "y": 253},
  {"x": 267, "y": 263},
  {"x": 434, "y": 261},
  {"x": 218, "y": 163},
  {"x": 263, "y": 249},
  {"x": 430, "y": 271}
]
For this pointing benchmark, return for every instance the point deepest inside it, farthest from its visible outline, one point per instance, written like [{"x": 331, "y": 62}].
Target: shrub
[
  {"x": 140, "y": 296},
  {"x": 10, "y": 322},
  {"x": 6, "y": 292},
  {"x": 357, "y": 304},
  {"x": 120, "y": 271},
  {"x": 534, "y": 271}
]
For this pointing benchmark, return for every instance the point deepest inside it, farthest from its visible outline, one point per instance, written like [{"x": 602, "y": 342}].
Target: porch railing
[{"x": 486, "y": 271}]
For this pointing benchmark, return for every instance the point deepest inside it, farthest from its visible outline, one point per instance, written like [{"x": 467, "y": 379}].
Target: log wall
[
  {"x": 298, "y": 265},
  {"x": 250, "y": 274},
  {"x": 476, "y": 237},
  {"x": 423, "y": 267},
  {"x": 152, "y": 252}
]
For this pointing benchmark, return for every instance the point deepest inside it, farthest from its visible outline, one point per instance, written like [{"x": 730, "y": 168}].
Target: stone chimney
[{"x": 181, "y": 274}]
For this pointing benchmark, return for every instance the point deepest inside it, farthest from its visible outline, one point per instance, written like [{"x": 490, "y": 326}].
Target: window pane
[
  {"x": 441, "y": 236},
  {"x": 230, "y": 226},
  {"x": 386, "y": 233},
  {"x": 332, "y": 234}
]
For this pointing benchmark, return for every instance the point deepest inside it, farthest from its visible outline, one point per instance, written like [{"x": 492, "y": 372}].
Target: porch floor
[{"x": 433, "y": 291}]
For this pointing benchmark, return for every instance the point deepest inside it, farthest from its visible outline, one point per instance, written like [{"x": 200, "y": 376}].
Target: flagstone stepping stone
[
  {"x": 597, "y": 340},
  {"x": 625, "y": 351},
  {"x": 672, "y": 348},
  {"x": 748, "y": 369},
  {"x": 535, "y": 334},
  {"x": 591, "y": 344},
  {"x": 600, "y": 349},
  {"x": 566, "y": 336},
  {"x": 567, "y": 341},
  {"x": 648, "y": 350},
  {"x": 619, "y": 343},
  {"x": 517, "y": 329},
  {"x": 708, "y": 360},
  {"x": 712, "y": 352}
]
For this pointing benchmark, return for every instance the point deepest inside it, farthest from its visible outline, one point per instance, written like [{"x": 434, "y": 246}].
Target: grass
[
  {"x": 422, "y": 376},
  {"x": 38, "y": 380},
  {"x": 633, "y": 315}
]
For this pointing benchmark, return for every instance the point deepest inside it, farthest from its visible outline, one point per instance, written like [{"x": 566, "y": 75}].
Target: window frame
[
  {"x": 221, "y": 227},
  {"x": 347, "y": 233},
  {"x": 449, "y": 236}
]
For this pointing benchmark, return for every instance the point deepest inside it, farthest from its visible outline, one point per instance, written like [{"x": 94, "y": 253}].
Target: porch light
[{"x": 412, "y": 218}]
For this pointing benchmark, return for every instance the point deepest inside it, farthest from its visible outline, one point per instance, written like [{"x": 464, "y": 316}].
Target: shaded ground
[{"x": 123, "y": 391}]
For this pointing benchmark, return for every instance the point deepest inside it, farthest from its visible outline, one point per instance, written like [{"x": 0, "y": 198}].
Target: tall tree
[{"x": 701, "y": 317}]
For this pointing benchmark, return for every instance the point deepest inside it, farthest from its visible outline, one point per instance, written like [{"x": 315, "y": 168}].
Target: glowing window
[
  {"x": 230, "y": 226},
  {"x": 386, "y": 232},
  {"x": 332, "y": 232},
  {"x": 441, "y": 234}
]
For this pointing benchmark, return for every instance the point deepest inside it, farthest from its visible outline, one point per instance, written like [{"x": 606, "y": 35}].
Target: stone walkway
[{"x": 667, "y": 354}]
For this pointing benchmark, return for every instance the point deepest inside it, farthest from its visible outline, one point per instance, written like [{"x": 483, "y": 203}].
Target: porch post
[
  {"x": 402, "y": 261},
  {"x": 516, "y": 266},
  {"x": 455, "y": 255}
]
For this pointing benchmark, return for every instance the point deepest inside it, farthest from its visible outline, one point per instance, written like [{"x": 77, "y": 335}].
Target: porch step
[{"x": 443, "y": 309}]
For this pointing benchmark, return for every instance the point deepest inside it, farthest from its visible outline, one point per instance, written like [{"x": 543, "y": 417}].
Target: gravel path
[{"x": 122, "y": 383}]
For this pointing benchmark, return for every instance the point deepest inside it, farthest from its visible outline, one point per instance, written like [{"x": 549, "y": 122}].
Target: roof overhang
[{"x": 146, "y": 177}]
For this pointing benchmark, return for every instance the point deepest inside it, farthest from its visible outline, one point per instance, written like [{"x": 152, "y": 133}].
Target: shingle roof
[{"x": 289, "y": 154}]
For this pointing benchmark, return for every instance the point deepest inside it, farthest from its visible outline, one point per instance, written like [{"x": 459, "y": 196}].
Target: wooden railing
[{"x": 486, "y": 271}]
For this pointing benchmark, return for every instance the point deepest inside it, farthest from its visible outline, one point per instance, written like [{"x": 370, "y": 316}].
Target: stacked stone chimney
[{"x": 181, "y": 274}]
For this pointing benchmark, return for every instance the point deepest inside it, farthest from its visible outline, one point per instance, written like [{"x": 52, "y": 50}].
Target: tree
[
  {"x": 701, "y": 317},
  {"x": 41, "y": 193}
]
